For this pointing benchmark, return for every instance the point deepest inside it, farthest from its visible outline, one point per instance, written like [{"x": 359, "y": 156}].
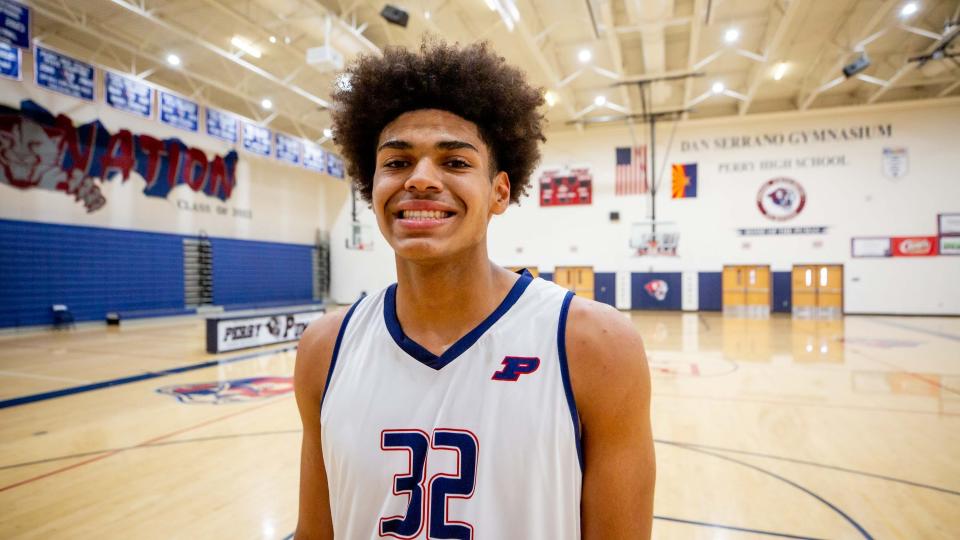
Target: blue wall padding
[
  {"x": 783, "y": 291},
  {"x": 642, "y": 298},
  {"x": 95, "y": 270},
  {"x": 247, "y": 272},
  {"x": 710, "y": 291},
  {"x": 92, "y": 270},
  {"x": 605, "y": 287}
]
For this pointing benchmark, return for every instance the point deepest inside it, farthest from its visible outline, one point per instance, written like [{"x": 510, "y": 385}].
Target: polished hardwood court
[{"x": 765, "y": 428}]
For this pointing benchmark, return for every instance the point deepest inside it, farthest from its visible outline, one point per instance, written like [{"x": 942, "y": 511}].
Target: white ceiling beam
[
  {"x": 699, "y": 15},
  {"x": 865, "y": 31},
  {"x": 190, "y": 36},
  {"x": 552, "y": 74},
  {"x": 100, "y": 33},
  {"x": 771, "y": 49},
  {"x": 949, "y": 88},
  {"x": 908, "y": 66}
]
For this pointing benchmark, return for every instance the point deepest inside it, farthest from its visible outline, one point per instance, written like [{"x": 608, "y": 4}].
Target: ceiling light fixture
[
  {"x": 426, "y": 15},
  {"x": 327, "y": 132},
  {"x": 584, "y": 56},
  {"x": 246, "y": 46},
  {"x": 718, "y": 87},
  {"x": 492, "y": 4},
  {"x": 551, "y": 98},
  {"x": 909, "y": 9},
  {"x": 266, "y": 103},
  {"x": 173, "y": 59},
  {"x": 779, "y": 71},
  {"x": 731, "y": 35},
  {"x": 600, "y": 101},
  {"x": 273, "y": 39}
]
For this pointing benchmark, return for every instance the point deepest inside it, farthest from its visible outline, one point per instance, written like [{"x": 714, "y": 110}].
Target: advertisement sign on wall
[
  {"x": 60, "y": 73},
  {"x": 232, "y": 334},
  {"x": 948, "y": 224},
  {"x": 870, "y": 247},
  {"x": 565, "y": 188},
  {"x": 950, "y": 245},
  {"x": 914, "y": 246}
]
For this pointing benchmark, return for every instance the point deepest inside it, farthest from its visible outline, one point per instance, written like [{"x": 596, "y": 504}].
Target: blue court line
[
  {"x": 937, "y": 333},
  {"x": 842, "y": 514},
  {"x": 733, "y": 528},
  {"x": 23, "y": 400},
  {"x": 812, "y": 464}
]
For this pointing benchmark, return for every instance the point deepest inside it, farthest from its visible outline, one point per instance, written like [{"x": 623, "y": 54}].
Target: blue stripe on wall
[
  {"x": 710, "y": 287},
  {"x": 783, "y": 292},
  {"x": 605, "y": 287},
  {"x": 92, "y": 270},
  {"x": 641, "y": 298},
  {"x": 248, "y": 272},
  {"x": 96, "y": 270}
]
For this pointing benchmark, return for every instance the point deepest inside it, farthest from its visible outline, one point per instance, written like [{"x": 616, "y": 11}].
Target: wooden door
[
  {"x": 830, "y": 291},
  {"x": 578, "y": 279},
  {"x": 817, "y": 291},
  {"x": 759, "y": 293},
  {"x": 734, "y": 290}
]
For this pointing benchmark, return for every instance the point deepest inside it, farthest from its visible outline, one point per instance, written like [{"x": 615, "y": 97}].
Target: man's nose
[{"x": 425, "y": 177}]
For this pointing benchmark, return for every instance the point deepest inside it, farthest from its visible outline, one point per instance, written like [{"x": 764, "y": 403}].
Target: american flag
[{"x": 632, "y": 171}]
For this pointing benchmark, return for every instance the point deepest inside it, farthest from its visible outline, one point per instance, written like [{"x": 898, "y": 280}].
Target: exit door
[
  {"x": 817, "y": 291},
  {"x": 578, "y": 279},
  {"x": 747, "y": 291}
]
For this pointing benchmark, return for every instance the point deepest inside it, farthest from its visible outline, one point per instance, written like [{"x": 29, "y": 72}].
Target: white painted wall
[
  {"x": 288, "y": 203},
  {"x": 854, "y": 199}
]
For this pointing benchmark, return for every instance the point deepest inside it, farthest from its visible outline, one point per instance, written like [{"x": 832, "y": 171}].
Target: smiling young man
[{"x": 464, "y": 401}]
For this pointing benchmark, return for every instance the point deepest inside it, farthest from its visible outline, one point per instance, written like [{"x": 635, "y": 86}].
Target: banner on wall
[
  {"x": 128, "y": 95},
  {"x": 63, "y": 74},
  {"x": 256, "y": 139},
  {"x": 334, "y": 166},
  {"x": 948, "y": 224},
  {"x": 14, "y": 23},
  {"x": 179, "y": 112},
  {"x": 631, "y": 174},
  {"x": 684, "y": 176},
  {"x": 950, "y": 245},
  {"x": 314, "y": 158},
  {"x": 895, "y": 163},
  {"x": 289, "y": 149},
  {"x": 566, "y": 188},
  {"x": 39, "y": 150},
  {"x": 914, "y": 246},
  {"x": 781, "y": 199},
  {"x": 10, "y": 62},
  {"x": 221, "y": 125}
]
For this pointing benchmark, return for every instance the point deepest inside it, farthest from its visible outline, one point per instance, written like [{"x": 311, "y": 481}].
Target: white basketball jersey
[{"x": 481, "y": 442}]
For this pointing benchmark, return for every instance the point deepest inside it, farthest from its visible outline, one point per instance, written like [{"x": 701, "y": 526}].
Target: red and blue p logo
[{"x": 515, "y": 366}]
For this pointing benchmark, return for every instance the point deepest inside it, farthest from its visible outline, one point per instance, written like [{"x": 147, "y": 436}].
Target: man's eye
[
  {"x": 458, "y": 164},
  {"x": 395, "y": 164}
]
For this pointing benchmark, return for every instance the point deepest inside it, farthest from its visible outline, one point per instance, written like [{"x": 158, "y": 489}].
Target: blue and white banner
[
  {"x": 288, "y": 148},
  {"x": 128, "y": 95},
  {"x": 179, "y": 112},
  {"x": 314, "y": 158},
  {"x": 63, "y": 74},
  {"x": 222, "y": 125},
  {"x": 334, "y": 166},
  {"x": 14, "y": 23},
  {"x": 256, "y": 139},
  {"x": 9, "y": 61}
]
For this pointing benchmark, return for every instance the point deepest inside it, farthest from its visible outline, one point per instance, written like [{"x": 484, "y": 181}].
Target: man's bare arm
[
  {"x": 314, "y": 354},
  {"x": 611, "y": 382}
]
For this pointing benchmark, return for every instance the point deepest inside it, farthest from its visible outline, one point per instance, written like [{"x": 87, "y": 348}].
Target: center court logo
[
  {"x": 781, "y": 198},
  {"x": 235, "y": 391}
]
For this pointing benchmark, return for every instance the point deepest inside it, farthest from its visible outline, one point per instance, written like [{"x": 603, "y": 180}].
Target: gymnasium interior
[{"x": 767, "y": 189}]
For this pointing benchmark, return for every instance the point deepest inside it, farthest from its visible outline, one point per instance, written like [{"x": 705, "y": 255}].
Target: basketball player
[{"x": 464, "y": 401}]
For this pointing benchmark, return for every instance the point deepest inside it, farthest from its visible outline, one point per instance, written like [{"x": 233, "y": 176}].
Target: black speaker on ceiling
[{"x": 395, "y": 15}]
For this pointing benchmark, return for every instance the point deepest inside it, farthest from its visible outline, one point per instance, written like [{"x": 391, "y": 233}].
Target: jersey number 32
[{"x": 428, "y": 500}]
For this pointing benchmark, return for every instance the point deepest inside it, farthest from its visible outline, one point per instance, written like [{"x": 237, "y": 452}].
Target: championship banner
[
  {"x": 230, "y": 334},
  {"x": 566, "y": 188},
  {"x": 914, "y": 246},
  {"x": 10, "y": 62},
  {"x": 55, "y": 155}
]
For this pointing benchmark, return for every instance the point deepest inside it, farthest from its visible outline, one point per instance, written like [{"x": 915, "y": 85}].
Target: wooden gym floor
[{"x": 765, "y": 429}]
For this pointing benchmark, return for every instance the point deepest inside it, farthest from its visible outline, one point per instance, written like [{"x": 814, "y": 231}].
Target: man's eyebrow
[{"x": 395, "y": 144}]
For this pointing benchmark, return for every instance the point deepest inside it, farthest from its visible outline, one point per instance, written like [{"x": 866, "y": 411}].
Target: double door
[
  {"x": 578, "y": 279},
  {"x": 817, "y": 291},
  {"x": 747, "y": 291}
]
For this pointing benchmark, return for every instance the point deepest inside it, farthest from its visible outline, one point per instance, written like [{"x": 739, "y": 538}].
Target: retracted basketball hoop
[{"x": 654, "y": 238}]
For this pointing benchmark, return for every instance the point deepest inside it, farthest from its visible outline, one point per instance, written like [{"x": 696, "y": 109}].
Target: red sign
[
  {"x": 566, "y": 188},
  {"x": 914, "y": 246}
]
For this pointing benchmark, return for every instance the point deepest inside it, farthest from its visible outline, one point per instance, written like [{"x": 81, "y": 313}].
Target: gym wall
[
  {"x": 847, "y": 193},
  {"x": 128, "y": 254}
]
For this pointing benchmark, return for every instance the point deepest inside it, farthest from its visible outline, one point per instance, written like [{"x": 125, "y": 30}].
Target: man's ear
[{"x": 501, "y": 193}]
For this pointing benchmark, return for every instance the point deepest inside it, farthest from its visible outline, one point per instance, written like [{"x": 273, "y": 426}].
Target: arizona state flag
[{"x": 684, "y": 180}]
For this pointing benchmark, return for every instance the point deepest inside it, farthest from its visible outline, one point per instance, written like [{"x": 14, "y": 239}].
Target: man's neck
[{"x": 440, "y": 302}]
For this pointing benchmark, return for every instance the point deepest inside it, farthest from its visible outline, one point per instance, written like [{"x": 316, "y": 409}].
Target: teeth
[{"x": 423, "y": 214}]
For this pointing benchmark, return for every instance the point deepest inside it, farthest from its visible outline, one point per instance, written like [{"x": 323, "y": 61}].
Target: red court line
[{"x": 138, "y": 445}]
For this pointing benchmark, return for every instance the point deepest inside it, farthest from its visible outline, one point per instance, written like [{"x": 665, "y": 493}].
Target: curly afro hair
[{"x": 470, "y": 81}]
